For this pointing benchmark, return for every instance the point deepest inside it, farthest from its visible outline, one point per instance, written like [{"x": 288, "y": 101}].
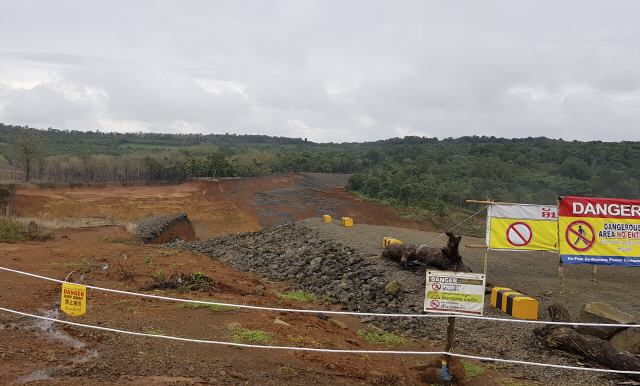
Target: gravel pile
[
  {"x": 341, "y": 265},
  {"x": 150, "y": 228}
]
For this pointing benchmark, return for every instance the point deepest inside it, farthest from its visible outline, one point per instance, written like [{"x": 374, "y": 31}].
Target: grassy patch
[
  {"x": 427, "y": 359},
  {"x": 287, "y": 369},
  {"x": 240, "y": 335},
  {"x": 211, "y": 307},
  {"x": 166, "y": 252},
  {"x": 178, "y": 264},
  {"x": 14, "y": 231},
  {"x": 386, "y": 339},
  {"x": 471, "y": 369},
  {"x": 185, "y": 282},
  {"x": 300, "y": 296},
  {"x": 151, "y": 331},
  {"x": 511, "y": 382},
  {"x": 84, "y": 263}
]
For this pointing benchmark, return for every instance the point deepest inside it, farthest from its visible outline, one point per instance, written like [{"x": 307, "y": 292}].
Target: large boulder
[
  {"x": 628, "y": 340},
  {"x": 602, "y": 313}
]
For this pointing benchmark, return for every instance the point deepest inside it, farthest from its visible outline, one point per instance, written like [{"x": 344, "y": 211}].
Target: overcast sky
[{"x": 329, "y": 71}]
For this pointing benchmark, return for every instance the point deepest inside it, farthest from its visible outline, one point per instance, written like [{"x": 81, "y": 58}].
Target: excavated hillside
[{"x": 215, "y": 207}]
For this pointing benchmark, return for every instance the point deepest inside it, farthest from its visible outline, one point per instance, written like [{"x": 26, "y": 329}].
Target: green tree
[{"x": 29, "y": 145}]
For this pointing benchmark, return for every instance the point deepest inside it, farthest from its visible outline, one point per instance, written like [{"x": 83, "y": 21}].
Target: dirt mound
[{"x": 161, "y": 229}]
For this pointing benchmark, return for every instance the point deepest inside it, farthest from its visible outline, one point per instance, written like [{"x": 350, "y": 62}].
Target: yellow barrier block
[
  {"x": 326, "y": 218},
  {"x": 514, "y": 303},
  {"x": 495, "y": 296},
  {"x": 522, "y": 307},
  {"x": 346, "y": 221},
  {"x": 390, "y": 240}
]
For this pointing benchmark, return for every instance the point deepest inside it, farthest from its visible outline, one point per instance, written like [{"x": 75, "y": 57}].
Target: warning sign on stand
[
  {"x": 74, "y": 299},
  {"x": 454, "y": 293}
]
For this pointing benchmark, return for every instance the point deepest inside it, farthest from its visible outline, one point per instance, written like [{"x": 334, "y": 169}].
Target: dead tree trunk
[
  {"x": 589, "y": 346},
  {"x": 444, "y": 259},
  {"x": 594, "y": 348}
]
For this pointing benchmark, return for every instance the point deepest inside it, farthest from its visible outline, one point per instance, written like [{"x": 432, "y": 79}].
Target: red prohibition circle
[
  {"x": 580, "y": 237},
  {"x": 435, "y": 304},
  {"x": 436, "y": 286},
  {"x": 516, "y": 234}
]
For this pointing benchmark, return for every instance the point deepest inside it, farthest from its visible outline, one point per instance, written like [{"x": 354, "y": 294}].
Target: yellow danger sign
[{"x": 74, "y": 299}]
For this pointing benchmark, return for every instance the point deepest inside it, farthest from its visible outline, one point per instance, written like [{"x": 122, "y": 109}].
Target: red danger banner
[{"x": 599, "y": 231}]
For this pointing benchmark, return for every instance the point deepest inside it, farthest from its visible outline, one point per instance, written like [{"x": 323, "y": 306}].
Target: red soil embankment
[{"x": 215, "y": 207}]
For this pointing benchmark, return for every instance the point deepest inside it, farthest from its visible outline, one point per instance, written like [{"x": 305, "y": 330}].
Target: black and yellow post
[
  {"x": 390, "y": 240},
  {"x": 514, "y": 303}
]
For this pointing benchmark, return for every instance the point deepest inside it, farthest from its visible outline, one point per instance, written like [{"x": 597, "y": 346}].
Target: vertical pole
[
  {"x": 560, "y": 267},
  {"x": 595, "y": 272},
  {"x": 486, "y": 251},
  {"x": 561, "y": 275},
  {"x": 451, "y": 329}
]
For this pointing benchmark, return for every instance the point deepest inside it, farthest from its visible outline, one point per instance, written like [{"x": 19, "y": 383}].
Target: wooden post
[
  {"x": 486, "y": 251},
  {"x": 451, "y": 329},
  {"x": 595, "y": 272},
  {"x": 560, "y": 266},
  {"x": 485, "y": 261}
]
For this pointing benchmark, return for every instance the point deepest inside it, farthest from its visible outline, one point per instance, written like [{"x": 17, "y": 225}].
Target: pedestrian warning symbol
[
  {"x": 580, "y": 235},
  {"x": 74, "y": 299}
]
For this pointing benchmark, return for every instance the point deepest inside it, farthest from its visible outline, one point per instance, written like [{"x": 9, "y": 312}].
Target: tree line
[{"x": 413, "y": 172}]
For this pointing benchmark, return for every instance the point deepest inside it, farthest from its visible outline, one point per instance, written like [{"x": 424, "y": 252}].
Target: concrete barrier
[
  {"x": 346, "y": 221},
  {"x": 390, "y": 240},
  {"x": 514, "y": 303},
  {"x": 327, "y": 218}
]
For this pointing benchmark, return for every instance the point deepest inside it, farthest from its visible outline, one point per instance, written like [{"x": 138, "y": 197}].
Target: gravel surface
[
  {"x": 342, "y": 265},
  {"x": 299, "y": 197}
]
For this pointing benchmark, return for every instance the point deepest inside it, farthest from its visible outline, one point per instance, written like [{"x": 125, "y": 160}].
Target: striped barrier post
[
  {"x": 390, "y": 240},
  {"x": 514, "y": 303}
]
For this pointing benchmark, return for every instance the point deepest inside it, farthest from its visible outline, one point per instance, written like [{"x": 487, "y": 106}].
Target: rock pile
[
  {"x": 326, "y": 269},
  {"x": 161, "y": 229}
]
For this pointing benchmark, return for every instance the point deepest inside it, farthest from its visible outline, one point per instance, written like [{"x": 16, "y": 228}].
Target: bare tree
[{"x": 30, "y": 145}]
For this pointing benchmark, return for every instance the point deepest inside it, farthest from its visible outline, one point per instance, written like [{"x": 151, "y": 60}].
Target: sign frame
[
  {"x": 460, "y": 293},
  {"x": 615, "y": 231}
]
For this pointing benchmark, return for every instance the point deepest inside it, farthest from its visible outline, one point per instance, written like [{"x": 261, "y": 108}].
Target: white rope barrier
[
  {"x": 329, "y": 312},
  {"x": 457, "y": 225},
  {"x": 321, "y": 349}
]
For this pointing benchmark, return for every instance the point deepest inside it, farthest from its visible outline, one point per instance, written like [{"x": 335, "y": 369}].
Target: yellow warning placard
[
  {"x": 600, "y": 231},
  {"x": 522, "y": 227},
  {"x": 74, "y": 299}
]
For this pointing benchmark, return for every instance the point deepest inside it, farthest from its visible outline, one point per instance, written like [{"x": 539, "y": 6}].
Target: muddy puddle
[{"x": 47, "y": 328}]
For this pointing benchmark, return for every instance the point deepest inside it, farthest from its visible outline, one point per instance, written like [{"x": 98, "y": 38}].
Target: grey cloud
[
  {"x": 43, "y": 106},
  {"x": 330, "y": 71}
]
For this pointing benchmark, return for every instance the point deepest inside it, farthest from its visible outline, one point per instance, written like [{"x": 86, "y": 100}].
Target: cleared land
[{"x": 41, "y": 353}]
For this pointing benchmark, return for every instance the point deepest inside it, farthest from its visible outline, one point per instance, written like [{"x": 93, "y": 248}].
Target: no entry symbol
[
  {"x": 580, "y": 235},
  {"x": 434, "y": 303},
  {"x": 436, "y": 286},
  {"x": 519, "y": 234}
]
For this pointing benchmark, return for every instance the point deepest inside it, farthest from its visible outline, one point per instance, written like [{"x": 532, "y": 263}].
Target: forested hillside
[{"x": 416, "y": 172}]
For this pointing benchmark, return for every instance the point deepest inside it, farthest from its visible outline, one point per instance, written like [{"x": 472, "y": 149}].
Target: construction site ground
[{"x": 40, "y": 352}]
